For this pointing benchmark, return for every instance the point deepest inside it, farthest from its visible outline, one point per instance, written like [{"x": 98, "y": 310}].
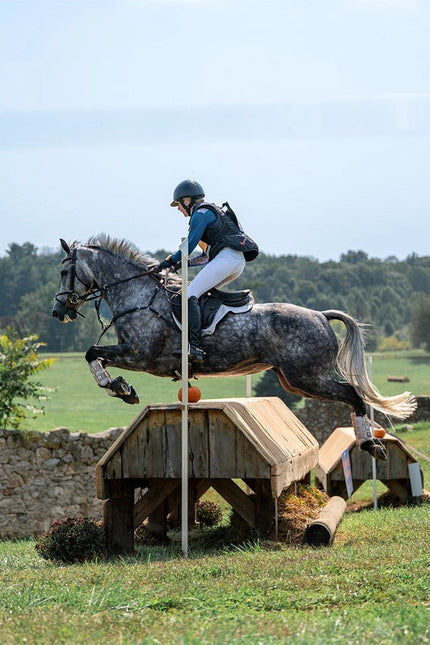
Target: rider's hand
[
  {"x": 175, "y": 267},
  {"x": 165, "y": 264}
]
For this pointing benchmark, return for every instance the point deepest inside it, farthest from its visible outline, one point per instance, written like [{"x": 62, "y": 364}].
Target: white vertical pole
[
  {"x": 184, "y": 373},
  {"x": 372, "y": 427},
  {"x": 248, "y": 385}
]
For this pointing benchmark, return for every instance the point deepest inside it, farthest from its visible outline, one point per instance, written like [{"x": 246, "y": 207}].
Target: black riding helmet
[{"x": 187, "y": 188}]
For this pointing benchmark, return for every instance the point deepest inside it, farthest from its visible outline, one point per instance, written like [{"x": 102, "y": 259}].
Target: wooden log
[{"x": 322, "y": 530}]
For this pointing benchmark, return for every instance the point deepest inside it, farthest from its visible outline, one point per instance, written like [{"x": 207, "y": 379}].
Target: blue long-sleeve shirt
[{"x": 200, "y": 220}]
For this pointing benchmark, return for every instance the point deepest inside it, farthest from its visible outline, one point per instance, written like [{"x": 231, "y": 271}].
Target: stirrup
[{"x": 195, "y": 354}]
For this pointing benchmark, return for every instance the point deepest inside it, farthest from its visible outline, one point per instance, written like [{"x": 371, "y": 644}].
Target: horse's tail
[{"x": 352, "y": 366}]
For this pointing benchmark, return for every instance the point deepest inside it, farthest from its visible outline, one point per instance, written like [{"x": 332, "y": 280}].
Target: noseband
[{"x": 73, "y": 298}]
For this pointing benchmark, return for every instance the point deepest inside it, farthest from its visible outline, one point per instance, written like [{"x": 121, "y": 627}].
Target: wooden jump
[
  {"x": 256, "y": 440},
  {"x": 393, "y": 473}
]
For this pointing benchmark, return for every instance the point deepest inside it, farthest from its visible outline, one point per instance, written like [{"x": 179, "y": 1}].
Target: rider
[{"x": 225, "y": 249}]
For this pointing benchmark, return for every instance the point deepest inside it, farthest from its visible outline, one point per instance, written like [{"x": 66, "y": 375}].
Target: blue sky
[{"x": 311, "y": 117}]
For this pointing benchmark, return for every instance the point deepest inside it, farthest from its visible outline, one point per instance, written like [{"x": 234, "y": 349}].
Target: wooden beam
[
  {"x": 159, "y": 489},
  {"x": 118, "y": 517},
  {"x": 265, "y": 506},
  {"x": 235, "y": 496},
  {"x": 400, "y": 487}
]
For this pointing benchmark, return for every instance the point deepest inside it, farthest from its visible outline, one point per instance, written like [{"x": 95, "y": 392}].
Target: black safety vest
[{"x": 226, "y": 232}]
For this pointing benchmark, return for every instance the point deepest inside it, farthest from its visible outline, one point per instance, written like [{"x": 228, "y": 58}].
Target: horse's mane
[{"x": 126, "y": 250}]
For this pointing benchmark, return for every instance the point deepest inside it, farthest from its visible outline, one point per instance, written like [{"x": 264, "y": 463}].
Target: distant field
[
  {"x": 78, "y": 404},
  {"x": 414, "y": 364}
]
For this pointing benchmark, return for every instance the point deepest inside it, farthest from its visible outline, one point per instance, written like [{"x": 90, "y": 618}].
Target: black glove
[
  {"x": 165, "y": 264},
  {"x": 175, "y": 266}
]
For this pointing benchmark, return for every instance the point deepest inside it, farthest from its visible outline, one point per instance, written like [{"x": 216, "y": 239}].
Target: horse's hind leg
[
  {"x": 330, "y": 388},
  {"x": 323, "y": 388}
]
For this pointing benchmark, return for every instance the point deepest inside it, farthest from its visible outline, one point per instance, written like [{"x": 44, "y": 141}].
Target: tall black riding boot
[{"x": 195, "y": 351}]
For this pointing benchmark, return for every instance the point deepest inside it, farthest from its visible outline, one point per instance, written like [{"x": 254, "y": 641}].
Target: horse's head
[{"x": 76, "y": 284}]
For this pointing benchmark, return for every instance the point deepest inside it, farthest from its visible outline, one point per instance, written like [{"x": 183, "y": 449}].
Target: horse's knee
[{"x": 92, "y": 353}]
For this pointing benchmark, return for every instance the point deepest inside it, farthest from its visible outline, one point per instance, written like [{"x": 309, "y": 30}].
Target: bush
[
  {"x": 19, "y": 362},
  {"x": 72, "y": 540},
  {"x": 208, "y": 513},
  {"x": 392, "y": 344}
]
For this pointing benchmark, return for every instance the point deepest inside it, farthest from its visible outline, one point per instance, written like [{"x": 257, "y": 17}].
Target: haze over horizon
[{"x": 311, "y": 118}]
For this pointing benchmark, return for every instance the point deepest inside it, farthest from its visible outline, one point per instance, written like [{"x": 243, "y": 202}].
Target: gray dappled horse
[{"x": 297, "y": 343}]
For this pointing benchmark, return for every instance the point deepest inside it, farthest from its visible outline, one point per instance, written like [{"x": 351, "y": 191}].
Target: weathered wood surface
[
  {"x": 118, "y": 517},
  {"x": 322, "y": 530},
  {"x": 393, "y": 473},
  {"x": 228, "y": 438}
]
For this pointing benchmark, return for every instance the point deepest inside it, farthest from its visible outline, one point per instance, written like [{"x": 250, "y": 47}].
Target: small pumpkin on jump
[{"x": 194, "y": 393}]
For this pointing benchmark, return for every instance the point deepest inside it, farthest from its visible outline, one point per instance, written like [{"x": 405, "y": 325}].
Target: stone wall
[
  {"x": 322, "y": 417},
  {"x": 47, "y": 476}
]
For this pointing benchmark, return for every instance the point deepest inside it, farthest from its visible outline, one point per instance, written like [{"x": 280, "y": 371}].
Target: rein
[{"x": 98, "y": 294}]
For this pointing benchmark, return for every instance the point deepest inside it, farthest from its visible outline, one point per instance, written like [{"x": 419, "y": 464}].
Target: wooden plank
[
  {"x": 198, "y": 438},
  {"x": 331, "y": 451},
  {"x": 158, "y": 490},
  {"x": 400, "y": 487},
  {"x": 173, "y": 443},
  {"x": 235, "y": 496},
  {"x": 223, "y": 437},
  {"x": 102, "y": 484},
  {"x": 255, "y": 433},
  {"x": 113, "y": 469}
]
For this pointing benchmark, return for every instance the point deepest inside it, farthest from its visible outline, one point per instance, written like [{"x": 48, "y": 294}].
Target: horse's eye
[{"x": 63, "y": 273}]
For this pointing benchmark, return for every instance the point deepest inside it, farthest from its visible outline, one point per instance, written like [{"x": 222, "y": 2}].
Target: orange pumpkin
[
  {"x": 379, "y": 433},
  {"x": 194, "y": 394}
]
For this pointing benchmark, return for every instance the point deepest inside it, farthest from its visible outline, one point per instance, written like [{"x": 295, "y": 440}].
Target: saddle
[{"x": 214, "y": 305}]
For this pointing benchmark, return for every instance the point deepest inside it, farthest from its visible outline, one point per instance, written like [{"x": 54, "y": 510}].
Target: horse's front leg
[{"x": 119, "y": 356}]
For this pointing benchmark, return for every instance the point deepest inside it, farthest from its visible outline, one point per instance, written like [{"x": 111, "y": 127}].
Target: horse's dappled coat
[{"x": 297, "y": 343}]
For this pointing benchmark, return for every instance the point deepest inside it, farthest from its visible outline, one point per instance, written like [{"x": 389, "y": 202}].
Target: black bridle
[{"x": 73, "y": 298}]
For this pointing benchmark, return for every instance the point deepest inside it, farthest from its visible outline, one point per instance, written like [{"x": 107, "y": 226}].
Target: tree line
[{"x": 391, "y": 295}]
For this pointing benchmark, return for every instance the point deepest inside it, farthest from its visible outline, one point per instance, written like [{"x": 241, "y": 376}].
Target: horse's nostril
[{"x": 55, "y": 314}]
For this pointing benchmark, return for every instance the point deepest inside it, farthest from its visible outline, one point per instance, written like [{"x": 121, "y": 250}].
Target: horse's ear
[{"x": 64, "y": 246}]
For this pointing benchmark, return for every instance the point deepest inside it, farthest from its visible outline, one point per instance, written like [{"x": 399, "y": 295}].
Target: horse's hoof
[
  {"x": 375, "y": 448},
  {"x": 131, "y": 398},
  {"x": 122, "y": 390}
]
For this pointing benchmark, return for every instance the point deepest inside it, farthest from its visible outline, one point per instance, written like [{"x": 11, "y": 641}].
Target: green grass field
[
  {"x": 371, "y": 586},
  {"x": 78, "y": 404}
]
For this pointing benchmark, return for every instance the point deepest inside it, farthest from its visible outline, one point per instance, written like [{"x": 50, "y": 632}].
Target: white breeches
[{"x": 225, "y": 267}]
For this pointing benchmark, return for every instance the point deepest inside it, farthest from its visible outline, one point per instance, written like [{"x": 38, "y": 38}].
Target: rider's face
[{"x": 187, "y": 202}]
